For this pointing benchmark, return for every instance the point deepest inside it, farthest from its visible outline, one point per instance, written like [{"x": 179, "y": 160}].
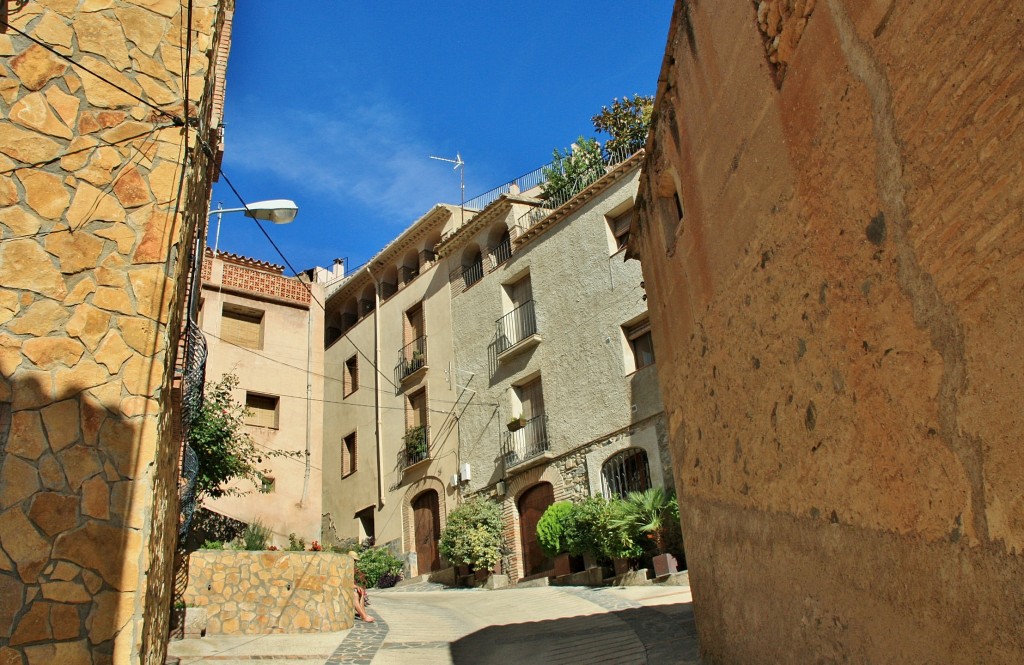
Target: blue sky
[{"x": 339, "y": 107}]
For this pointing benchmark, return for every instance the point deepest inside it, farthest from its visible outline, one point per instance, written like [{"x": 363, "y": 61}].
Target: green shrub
[
  {"x": 212, "y": 545},
  {"x": 256, "y": 536},
  {"x": 472, "y": 535},
  {"x": 295, "y": 544},
  {"x": 378, "y": 568},
  {"x": 651, "y": 517},
  {"x": 552, "y": 526}
]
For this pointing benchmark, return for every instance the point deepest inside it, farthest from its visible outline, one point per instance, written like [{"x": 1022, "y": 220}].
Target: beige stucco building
[
  {"x": 550, "y": 329},
  {"x": 107, "y": 150},
  {"x": 391, "y": 440},
  {"x": 267, "y": 329},
  {"x": 830, "y": 228}
]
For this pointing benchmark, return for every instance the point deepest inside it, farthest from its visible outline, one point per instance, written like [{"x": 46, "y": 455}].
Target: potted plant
[
  {"x": 416, "y": 443},
  {"x": 472, "y": 536},
  {"x": 651, "y": 516},
  {"x": 517, "y": 423}
]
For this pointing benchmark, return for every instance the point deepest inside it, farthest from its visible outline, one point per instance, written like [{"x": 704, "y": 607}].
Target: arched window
[{"x": 626, "y": 472}]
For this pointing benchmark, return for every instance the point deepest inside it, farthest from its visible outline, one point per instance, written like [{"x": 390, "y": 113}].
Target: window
[
  {"x": 268, "y": 485},
  {"x": 620, "y": 228},
  {"x": 350, "y": 380},
  {"x": 242, "y": 326},
  {"x": 366, "y": 526},
  {"x": 639, "y": 338},
  {"x": 626, "y": 472},
  {"x": 262, "y": 410},
  {"x": 348, "y": 454}
]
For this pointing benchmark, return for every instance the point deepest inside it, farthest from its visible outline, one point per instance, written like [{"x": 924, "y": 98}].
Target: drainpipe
[
  {"x": 309, "y": 404},
  {"x": 376, "y": 388}
]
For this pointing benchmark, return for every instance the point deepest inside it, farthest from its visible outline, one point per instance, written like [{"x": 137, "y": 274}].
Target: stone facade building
[
  {"x": 266, "y": 329},
  {"x": 830, "y": 228},
  {"x": 390, "y": 436},
  {"x": 553, "y": 358},
  {"x": 104, "y": 185}
]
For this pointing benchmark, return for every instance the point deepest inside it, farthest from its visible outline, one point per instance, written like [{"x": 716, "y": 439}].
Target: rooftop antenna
[{"x": 459, "y": 164}]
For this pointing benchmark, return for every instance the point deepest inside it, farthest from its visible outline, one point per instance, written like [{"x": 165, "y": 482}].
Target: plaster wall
[
  {"x": 292, "y": 337},
  {"x": 835, "y": 317},
  {"x": 99, "y": 209},
  {"x": 344, "y": 496},
  {"x": 596, "y": 403}
]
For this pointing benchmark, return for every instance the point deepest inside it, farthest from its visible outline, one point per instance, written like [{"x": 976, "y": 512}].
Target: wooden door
[
  {"x": 521, "y": 292},
  {"x": 532, "y": 505},
  {"x": 427, "y": 529},
  {"x": 414, "y": 328},
  {"x": 532, "y": 398}
]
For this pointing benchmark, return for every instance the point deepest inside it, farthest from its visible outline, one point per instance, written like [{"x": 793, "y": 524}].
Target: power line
[{"x": 176, "y": 119}]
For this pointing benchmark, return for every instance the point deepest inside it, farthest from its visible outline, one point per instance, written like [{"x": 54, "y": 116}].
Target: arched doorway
[
  {"x": 532, "y": 504},
  {"x": 427, "y": 531}
]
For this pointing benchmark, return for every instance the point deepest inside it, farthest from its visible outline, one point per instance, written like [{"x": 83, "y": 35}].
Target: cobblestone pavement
[{"x": 427, "y": 624}]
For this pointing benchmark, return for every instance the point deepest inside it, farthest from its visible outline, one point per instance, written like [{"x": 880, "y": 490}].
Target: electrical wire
[{"x": 177, "y": 120}]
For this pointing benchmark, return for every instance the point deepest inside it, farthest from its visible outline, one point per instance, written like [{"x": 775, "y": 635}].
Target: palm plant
[{"x": 649, "y": 513}]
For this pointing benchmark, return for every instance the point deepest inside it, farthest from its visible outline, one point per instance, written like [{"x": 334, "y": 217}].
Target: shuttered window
[
  {"x": 639, "y": 336},
  {"x": 620, "y": 228},
  {"x": 351, "y": 375},
  {"x": 348, "y": 454},
  {"x": 242, "y": 326},
  {"x": 262, "y": 410}
]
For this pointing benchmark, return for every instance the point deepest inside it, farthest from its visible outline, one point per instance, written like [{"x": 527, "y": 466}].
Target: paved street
[{"x": 426, "y": 624}]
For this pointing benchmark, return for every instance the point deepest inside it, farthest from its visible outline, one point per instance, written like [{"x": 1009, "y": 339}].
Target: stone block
[
  {"x": 70, "y": 381},
  {"x": 66, "y": 592},
  {"x": 89, "y": 547},
  {"x": 88, "y": 324},
  {"x": 48, "y": 352},
  {"x": 130, "y": 188},
  {"x": 97, "y": 33},
  {"x": 25, "y": 438},
  {"x": 122, "y": 234},
  {"x": 65, "y": 105},
  {"x": 153, "y": 290},
  {"x": 18, "y": 481},
  {"x": 44, "y": 193},
  {"x": 54, "y": 513},
  {"x": 79, "y": 463},
  {"x": 35, "y": 66},
  {"x": 34, "y": 625},
  {"x": 91, "y": 204},
  {"x": 75, "y": 251},
  {"x": 29, "y": 551},
  {"x": 24, "y": 265},
  {"x": 33, "y": 112}
]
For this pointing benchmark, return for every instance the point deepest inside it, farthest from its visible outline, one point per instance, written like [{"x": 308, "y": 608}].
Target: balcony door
[
  {"x": 532, "y": 505},
  {"x": 532, "y": 399},
  {"x": 427, "y": 530}
]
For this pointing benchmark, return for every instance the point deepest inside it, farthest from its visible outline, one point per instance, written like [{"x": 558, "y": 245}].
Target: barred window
[{"x": 626, "y": 472}]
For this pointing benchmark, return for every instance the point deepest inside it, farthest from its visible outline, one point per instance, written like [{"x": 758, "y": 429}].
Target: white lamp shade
[{"x": 278, "y": 211}]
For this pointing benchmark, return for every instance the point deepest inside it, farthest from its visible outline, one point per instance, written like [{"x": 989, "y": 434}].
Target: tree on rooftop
[{"x": 626, "y": 121}]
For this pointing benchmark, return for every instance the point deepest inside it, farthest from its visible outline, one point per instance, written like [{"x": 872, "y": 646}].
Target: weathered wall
[
  {"x": 343, "y": 496},
  {"x": 97, "y": 217},
  {"x": 836, "y": 317},
  {"x": 292, "y": 334},
  {"x": 258, "y": 593},
  {"x": 596, "y": 403}
]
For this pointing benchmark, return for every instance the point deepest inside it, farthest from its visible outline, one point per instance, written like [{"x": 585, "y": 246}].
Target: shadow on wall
[
  {"x": 71, "y": 532},
  {"x": 662, "y": 634}
]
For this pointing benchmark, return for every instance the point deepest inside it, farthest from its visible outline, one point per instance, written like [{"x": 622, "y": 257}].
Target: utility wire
[{"x": 178, "y": 122}]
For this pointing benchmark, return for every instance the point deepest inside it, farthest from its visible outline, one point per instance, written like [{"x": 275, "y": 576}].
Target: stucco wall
[
  {"x": 835, "y": 316},
  {"x": 344, "y": 496},
  {"x": 97, "y": 221},
  {"x": 583, "y": 292},
  {"x": 258, "y": 593},
  {"x": 596, "y": 404},
  {"x": 292, "y": 337}
]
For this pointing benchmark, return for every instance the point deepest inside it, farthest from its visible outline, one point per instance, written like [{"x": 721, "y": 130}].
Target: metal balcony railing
[
  {"x": 366, "y": 305},
  {"x": 527, "y": 442},
  {"x": 411, "y": 357},
  {"x": 388, "y": 289},
  {"x": 472, "y": 274},
  {"x": 502, "y": 252},
  {"x": 416, "y": 445},
  {"x": 516, "y": 326},
  {"x": 348, "y": 319},
  {"x": 561, "y": 196}
]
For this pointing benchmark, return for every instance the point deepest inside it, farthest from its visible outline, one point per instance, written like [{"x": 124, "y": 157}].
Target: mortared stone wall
[{"x": 103, "y": 188}]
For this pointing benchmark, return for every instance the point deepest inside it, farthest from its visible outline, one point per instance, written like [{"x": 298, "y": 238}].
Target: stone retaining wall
[{"x": 254, "y": 593}]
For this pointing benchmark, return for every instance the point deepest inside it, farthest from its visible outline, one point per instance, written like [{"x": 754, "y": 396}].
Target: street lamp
[{"x": 278, "y": 211}]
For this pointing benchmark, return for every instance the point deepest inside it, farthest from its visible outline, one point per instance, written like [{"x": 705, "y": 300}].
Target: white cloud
[{"x": 362, "y": 152}]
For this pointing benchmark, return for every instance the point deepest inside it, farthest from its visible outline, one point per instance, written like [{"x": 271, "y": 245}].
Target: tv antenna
[{"x": 459, "y": 164}]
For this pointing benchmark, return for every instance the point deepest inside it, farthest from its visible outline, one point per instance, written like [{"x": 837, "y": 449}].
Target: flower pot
[
  {"x": 665, "y": 564},
  {"x": 621, "y": 566},
  {"x": 517, "y": 424}
]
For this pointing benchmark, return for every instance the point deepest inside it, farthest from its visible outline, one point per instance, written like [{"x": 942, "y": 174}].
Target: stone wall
[
  {"x": 98, "y": 209},
  {"x": 256, "y": 593},
  {"x": 834, "y": 256}
]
